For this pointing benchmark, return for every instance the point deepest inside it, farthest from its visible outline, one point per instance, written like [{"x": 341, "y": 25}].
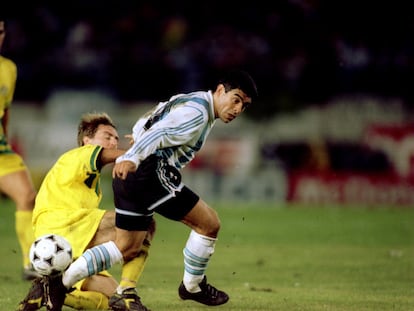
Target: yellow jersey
[
  {"x": 8, "y": 76},
  {"x": 68, "y": 199}
]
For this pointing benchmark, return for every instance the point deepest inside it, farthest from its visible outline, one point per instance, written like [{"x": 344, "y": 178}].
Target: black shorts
[{"x": 154, "y": 187}]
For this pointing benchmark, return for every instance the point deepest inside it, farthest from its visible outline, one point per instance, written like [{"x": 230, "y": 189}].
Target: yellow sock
[
  {"x": 25, "y": 235},
  {"x": 132, "y": 270},
  {"x": 86, "y": 300}
]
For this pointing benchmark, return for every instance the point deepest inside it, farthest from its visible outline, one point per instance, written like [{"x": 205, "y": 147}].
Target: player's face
[
  {"x": 229, "y": 105},
  {"x": 2, "y": 34},
  {"x": 106, "y": 136}
]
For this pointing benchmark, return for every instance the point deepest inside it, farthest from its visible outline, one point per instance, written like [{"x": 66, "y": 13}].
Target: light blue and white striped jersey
[{"x": 175, "y": 129}]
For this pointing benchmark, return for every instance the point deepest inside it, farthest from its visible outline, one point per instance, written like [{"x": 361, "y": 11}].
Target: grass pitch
[{"x": 290, "y": 258}]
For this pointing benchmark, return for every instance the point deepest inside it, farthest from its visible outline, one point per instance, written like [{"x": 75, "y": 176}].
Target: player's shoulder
[
  {"x": 194, "y": 105},
  {"x": 78, "y": 152},
  {"x": 196, "y": 99},
  {"x": 199, "y": 95},
  {"x": 7, "y": 63}
]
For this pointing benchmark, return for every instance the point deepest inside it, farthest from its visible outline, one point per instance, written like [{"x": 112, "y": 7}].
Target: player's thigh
[
  {"x": 129, "y": 242},
  {"x": 105, "y": 231},
  {"x": 19, "y": 187},
  {"x": 100, "y": 283},
  {"x": 203, "y": 219}
]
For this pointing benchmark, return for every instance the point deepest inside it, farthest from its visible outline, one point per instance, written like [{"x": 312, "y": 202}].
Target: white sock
[
  {"x": 92, "y": 261},
  {"x": 197, "y": 253}
]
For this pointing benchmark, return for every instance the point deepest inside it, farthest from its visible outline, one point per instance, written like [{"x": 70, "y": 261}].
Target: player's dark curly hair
[{"x": 240, "y": 79}]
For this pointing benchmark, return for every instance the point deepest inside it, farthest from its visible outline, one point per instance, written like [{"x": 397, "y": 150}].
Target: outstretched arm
[{"x": 109, "y": 155}]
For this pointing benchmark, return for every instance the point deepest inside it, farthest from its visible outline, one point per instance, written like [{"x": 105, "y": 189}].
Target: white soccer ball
[{"x": 50, "y": 254}]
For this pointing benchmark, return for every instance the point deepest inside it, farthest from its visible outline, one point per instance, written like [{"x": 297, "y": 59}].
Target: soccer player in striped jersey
[
  {"x": 15, "y": 179},
  {"x": 147, "y": 180}
]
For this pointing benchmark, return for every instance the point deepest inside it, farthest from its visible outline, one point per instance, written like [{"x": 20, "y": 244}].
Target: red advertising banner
[
  {"x": 346, "y": 187},
  {"x": 394, "y": 186},
  {"x": 397, "y": 142}
]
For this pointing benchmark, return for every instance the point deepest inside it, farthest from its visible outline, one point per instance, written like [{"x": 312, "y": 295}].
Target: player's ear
[
  {"x": 85, "y": 140},
  {"x": 220, "y": 88}
]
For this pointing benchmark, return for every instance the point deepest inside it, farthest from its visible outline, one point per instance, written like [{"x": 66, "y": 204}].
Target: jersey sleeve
[
  {"x": 11, "y": 69},
  {"x": 176, "y": 129}
]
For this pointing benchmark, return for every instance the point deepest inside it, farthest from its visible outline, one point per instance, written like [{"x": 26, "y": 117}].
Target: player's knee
[
  {"x": 129, "y": 249},
  {"x": 31, "y": 197},
  {"x": 213, "y": 224},
  {"x": 151, "y": 231},
  {"x": 213, "y": 228},
  {"x": 26, "y": 201},
  {"x": 209, "y": 228},
  {"x": 131, "y": 253}
]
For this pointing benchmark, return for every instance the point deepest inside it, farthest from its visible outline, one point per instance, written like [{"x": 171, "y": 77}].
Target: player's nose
[{"x": 113, "y": 142}]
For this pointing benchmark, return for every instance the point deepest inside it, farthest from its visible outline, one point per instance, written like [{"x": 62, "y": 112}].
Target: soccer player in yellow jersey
[
  {"x": 68, "y": 205},
  {"x": 15, "y": 179}
]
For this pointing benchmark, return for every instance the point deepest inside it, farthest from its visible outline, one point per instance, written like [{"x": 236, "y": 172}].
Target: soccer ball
[{"x": 50, "y": 254}]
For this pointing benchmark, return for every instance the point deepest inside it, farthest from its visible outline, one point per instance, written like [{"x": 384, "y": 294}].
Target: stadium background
[{"x": 334, "y": 121}]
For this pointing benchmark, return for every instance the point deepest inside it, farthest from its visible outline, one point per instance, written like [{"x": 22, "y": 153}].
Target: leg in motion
[{"x": 194, "y": 286}]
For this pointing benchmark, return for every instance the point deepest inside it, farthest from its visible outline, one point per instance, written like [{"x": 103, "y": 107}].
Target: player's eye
[{"x": 245, "y": 105}]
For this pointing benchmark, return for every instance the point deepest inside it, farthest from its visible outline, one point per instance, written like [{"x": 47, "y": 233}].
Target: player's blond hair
[{"x": 89, "y": 124}]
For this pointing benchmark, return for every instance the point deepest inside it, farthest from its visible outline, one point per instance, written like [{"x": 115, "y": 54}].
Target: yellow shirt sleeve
[{"x": 8, "y": 77}]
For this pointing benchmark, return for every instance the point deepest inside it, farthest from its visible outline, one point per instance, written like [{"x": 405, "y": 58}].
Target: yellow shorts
[
  {"x": 11, "y": 163},
  {"x": 77, "y": 225}
]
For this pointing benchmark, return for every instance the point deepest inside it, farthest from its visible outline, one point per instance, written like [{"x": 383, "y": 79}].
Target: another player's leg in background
[{"x": 18, "y": 187}]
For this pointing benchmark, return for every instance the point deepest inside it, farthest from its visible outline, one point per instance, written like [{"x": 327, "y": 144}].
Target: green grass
[{"x": 272, "y": 258}]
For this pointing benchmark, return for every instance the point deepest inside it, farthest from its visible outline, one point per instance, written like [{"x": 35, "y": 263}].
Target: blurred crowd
[{"x": 299, "y": 51}]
